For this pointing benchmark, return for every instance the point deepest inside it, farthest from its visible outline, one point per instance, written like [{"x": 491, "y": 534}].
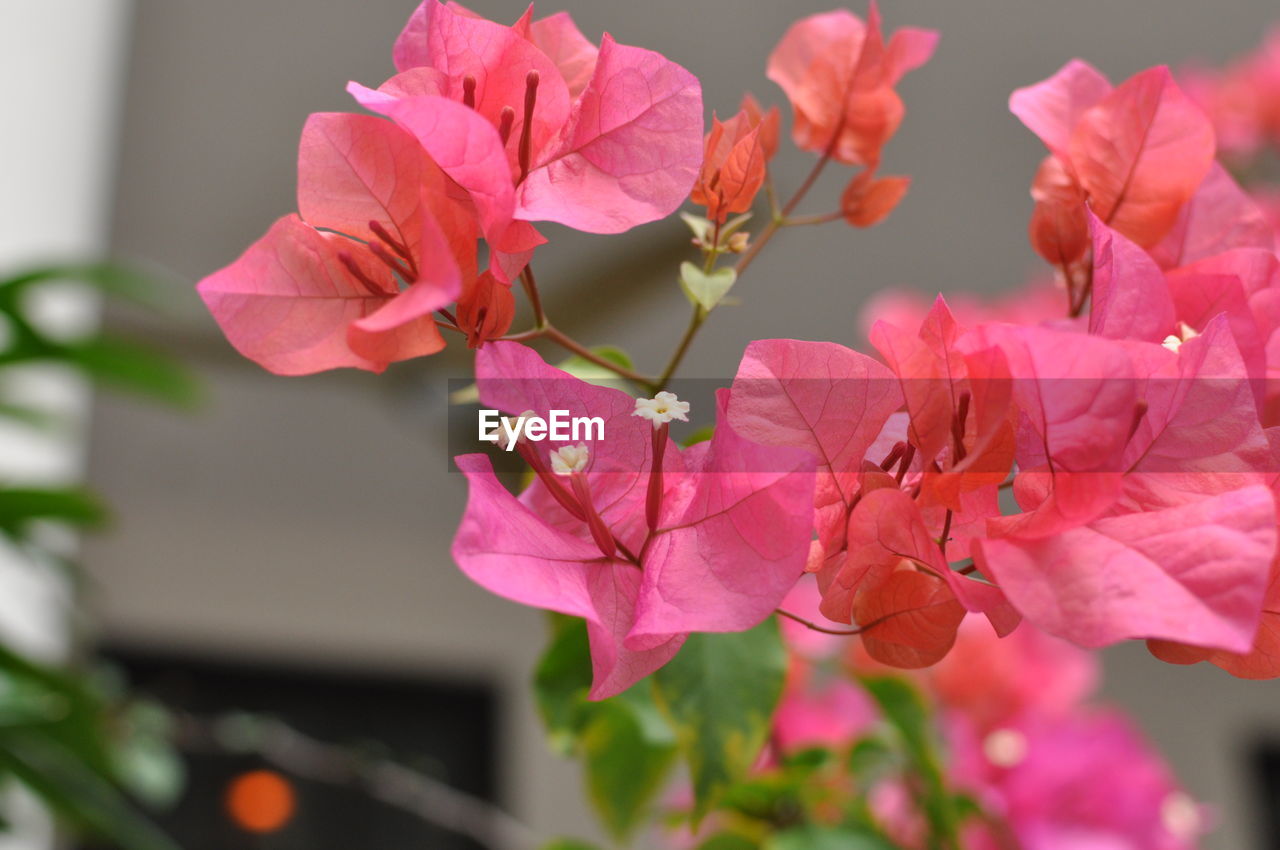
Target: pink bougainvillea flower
[
  {"x": 719, "y": 547},
  {"x": 994, "y": 681},
  {"x": 1148, "y": 513},
  {"x": 1136, "y": 153},
  {"x": 536, "y": 125},
  {"x": 1261, "y": 661},
  {"x": 1038, "y": 302},
  {"x": 1130, "y": 299},
  {"x": 1220, "y": 217},
  {"x": 736, "y": 159},
  {"x": 324, "y": 291},
  {"x": 836, "y": 404},
  {"x": 820, "y": 708},
  {"x": 826, "y": 399},
  {"x": 486, "y": 309},
  {"x": 839, "y": 75},
  {"x": 959, "y": 423},
  {"x": 1087, "y": 779},
  {"x": 1242, "y": 99}
]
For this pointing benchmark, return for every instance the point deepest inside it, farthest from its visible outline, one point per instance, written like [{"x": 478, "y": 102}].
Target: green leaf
[
  {"x": 699, "y": 226},
  {"x": 699, "y": 435},
  {"x": 628, "y": 749},
  {"x": 904, "y": 707},
  {"x": 112, "y": 278},
  {"x": 568, "y": 844},
  {"x": 812, "y": 837},
  {"x": 625, "y": 742},
  {"x": 71, "y": 788},
  {"x": 593, "y": 373},
  {"x": 720, "y": 692},
  {"x": 706, "y": 290},
  {"x": 135, "y": 368},
  {"x": 729, "y": 841},
  {"x": 71, "y": 505},
  {"x": 561, "y": 682}
]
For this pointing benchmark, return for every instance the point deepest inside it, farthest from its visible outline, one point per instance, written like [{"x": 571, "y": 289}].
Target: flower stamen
[{"x": 526, "y": 131}]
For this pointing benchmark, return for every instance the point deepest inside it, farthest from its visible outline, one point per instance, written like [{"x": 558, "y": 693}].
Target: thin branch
[
  {"x": 810, "y": 624},
  {"x": 564, "y": 341},
  {"x": 699, "y": 316},
  {"x": 772, "y": 227},
  {"x": 386, "y": 781}
]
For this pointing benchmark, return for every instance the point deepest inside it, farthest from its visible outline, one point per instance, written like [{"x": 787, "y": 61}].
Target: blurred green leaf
[
  {"x": 561, "y": 681},
  {"x": 145, "y": 761},
  {"x": 628, "y": 749},
  {"x": 21, "y": 506},
  {"x": 720, "y": 692},
  {"x": 593, "y": 373},
  {"x": 68, "y": 785},
  {"x": 568, "y": 844},
  {"x": 625, "y": 743},
  {"x": 700, "y": 435},
  {"x": 135, "y": 368},
  {"x": 729, "y": 841},
  {"x": 903, "y": 707},
  {"x": 813, "y": 837},
  {"x": 114, "y": 279}
]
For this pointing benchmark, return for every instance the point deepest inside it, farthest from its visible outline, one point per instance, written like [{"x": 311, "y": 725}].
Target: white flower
[
  {"x": 567, "y": 460},
  {"x": 1005, "y": 747},
  {"x": 661, "y": 409},
  {"x": 506, "y": 427}
]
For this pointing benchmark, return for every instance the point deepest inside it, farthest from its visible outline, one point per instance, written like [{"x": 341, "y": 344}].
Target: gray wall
[{"x": 309, "y": 518}]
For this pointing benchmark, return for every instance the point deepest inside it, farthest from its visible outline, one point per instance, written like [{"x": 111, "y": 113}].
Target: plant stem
[
  {"x": 809, "y": 624},
  {"x": 699, "y": 316},
  {"x": 789, "y": 207},
  {"x": 386, "y": 781},
  {"x": 535, "y": 300},
  {"x": 566, "y": 342},
  {"x": 803, "y": 220}
]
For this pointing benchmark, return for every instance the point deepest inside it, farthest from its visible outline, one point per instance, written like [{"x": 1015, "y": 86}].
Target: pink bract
[{"x": 729, "y": 545}]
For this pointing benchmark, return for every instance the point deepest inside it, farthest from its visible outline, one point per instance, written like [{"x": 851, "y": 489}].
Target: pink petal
[
  {"x": 631, "y": 149},
  {"x": 1195, "y": 573},
  {"x": 496, "y": 57},
  {"x": 394, "y": 331},
  {"x": 288, "y": 302},
  {"x": 1219, "y": 217},
  {"x": 1052, "y": 108},
  {"x": 558, "y": 37},
  {"x": 739, "y": 545},
  {"x": 1141, "y": 153},
  {"x": 1130, "y": 297},
  {"x": 616, "y": 667},
  {"x": 506, "y": 549},
  {"x": 353, "y": 169}
]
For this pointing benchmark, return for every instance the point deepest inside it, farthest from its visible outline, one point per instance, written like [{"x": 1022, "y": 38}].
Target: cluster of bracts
[{"x": 1099, "y": 459}]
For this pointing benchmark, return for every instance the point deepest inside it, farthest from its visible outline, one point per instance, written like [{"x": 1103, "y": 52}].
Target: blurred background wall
[{"x": 307, "y": 520}]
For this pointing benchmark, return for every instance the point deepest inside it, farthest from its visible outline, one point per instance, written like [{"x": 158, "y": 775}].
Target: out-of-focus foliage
[{"x": 66, "y": 735}]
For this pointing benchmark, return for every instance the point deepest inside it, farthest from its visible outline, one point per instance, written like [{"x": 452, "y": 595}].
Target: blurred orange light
[{"x": 260, "y": 801}]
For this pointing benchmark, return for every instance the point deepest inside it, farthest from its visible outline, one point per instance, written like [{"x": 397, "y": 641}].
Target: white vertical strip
[{"x": 64, "y": 61}]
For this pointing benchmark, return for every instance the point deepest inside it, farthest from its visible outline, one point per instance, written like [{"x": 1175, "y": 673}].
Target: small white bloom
[
  {"x": 662, "y": 408},
  {"x": 567, "y": 460},
  {"x": 1181, "y": 816},
  {"x": 1005, "y": 747},
  {"x": 1174, "y": 341},
  {"x": 508, "y": 430}
]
